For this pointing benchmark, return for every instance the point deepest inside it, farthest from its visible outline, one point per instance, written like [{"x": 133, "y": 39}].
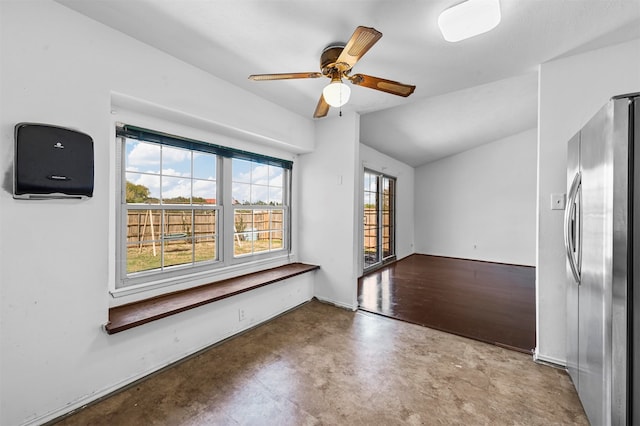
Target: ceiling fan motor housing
[{"x": 329, "y": 57}]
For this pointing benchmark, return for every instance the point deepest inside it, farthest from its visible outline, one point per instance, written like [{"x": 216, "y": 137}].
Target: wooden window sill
[{"x": 137, "y": 313}]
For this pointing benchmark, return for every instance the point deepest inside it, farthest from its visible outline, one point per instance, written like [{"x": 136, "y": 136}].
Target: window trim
[{"x": 226, "y": 263}]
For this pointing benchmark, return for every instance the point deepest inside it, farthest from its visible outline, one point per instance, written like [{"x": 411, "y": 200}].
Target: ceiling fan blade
[
  {"x": 361, "y": 41},
  {"x": 322, "y": 109},
  {"x": 382, "y": 84},
  {"x": 284, "y": 76}
]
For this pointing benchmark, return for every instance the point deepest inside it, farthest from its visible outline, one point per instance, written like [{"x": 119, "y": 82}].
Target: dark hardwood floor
[{"x": 490, "y": 302}]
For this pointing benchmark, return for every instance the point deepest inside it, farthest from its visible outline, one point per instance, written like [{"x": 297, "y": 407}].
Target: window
[
  {"x": 258, "y": 207},
  {"x": 174, "y": 197},
  {"x": 379, "y": 219},
  {"x": 170, "y": 204}
]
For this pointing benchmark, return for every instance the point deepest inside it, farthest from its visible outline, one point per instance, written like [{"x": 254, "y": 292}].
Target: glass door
[{"x": 378, "y": 219}]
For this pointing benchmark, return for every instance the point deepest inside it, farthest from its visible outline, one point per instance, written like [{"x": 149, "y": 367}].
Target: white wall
[
  {"x": 480, "y": 204},
  {"x": 571, "y": 91},
  {"x": 61, "y": 68},
  {"x": 404, "y": 174},
  {"x": 328, "y": 223}
]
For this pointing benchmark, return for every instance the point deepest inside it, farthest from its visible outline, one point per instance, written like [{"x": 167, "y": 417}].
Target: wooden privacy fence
[
  {"x": 371, "y": 229},
  {"x": 146, "y": 225}
]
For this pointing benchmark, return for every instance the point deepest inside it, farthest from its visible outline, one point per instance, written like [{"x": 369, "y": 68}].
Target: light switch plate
[{"x": 558, "y": 201}]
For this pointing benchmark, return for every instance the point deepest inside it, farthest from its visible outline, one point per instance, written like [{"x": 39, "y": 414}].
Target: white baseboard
[
  {"x": 338, "y": 304},
  {"x": 110, "y": 390},
  {"x": 549, "y": 360}
]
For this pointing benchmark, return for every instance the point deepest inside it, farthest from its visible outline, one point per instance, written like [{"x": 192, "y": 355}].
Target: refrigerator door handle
[{"x": 572, "y": 227}]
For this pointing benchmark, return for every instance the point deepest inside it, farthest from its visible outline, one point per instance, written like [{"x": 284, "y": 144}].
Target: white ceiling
[{"x": 468, "y": 93}]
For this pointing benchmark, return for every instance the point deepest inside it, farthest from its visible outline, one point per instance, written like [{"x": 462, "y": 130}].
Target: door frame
[{"x": 382, "y": 260}]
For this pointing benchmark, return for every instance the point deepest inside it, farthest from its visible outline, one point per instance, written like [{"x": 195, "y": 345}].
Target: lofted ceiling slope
[{"x": 468, "y": 93}]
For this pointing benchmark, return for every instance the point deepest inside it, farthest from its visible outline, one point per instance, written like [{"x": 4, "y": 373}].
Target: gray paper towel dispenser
[{"x": 52, "y": 162}]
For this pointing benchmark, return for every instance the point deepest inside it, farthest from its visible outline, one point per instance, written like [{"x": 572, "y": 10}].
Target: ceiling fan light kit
[
  {"x": 469, "y": 19},
  {"x": 336, "y": 93},
  {"x": 336, "y": 63}
]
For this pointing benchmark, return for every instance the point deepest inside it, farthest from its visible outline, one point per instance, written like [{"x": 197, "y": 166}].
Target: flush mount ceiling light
[
  {"x": 468, "y": 19},
  {"x": 336, "y": 93}
]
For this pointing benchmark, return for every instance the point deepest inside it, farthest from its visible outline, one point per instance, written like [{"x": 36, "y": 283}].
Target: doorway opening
[{"x": 379, "y": 219}]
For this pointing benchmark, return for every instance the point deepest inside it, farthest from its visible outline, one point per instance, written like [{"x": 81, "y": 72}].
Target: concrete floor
[{"x": 323, "y": 365}]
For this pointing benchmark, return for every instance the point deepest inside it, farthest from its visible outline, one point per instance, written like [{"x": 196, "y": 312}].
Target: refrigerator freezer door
[
  {"x": 594, "y": 321},
  {"x": 573, "y": 170},
  {"x": 635, "y": 274}
]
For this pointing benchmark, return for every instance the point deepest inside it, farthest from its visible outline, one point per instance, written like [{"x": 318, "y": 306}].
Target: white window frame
[
  {"x": 226, "y": 262},
  {"x": 232, "y": 259}
]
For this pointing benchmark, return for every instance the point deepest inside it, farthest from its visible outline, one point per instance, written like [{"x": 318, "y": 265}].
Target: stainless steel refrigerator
[{"x": 602, "y": 227}]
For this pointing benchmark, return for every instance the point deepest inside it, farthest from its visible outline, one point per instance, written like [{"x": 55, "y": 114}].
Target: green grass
[
  {"x": 180, "y": 252},
  {"x": 245, "y": 247},
  {"x": 176, "y": 253}
]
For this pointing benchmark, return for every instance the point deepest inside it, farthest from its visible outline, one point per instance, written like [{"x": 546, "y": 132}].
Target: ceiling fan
[{"x": 336, "y": 63}]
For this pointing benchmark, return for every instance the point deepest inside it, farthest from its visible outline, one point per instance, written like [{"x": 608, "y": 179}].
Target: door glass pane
[
  {"x": 386, "y": 242},
  {"x": 379, "y": 219},
  {"x": 388, "y": 209},
  {"x": 370, "y": 248},
  {"x": 370, "y": 219}
]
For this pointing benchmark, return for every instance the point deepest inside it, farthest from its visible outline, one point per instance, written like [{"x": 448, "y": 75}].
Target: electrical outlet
[{"x": 240, "y": 314}]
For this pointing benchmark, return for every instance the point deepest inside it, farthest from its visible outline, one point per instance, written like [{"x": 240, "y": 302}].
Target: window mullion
[
  {"x": 286, "y": 203},
  {"x": 121, "y": 216},
  {"x": 227, "y": 212}
]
